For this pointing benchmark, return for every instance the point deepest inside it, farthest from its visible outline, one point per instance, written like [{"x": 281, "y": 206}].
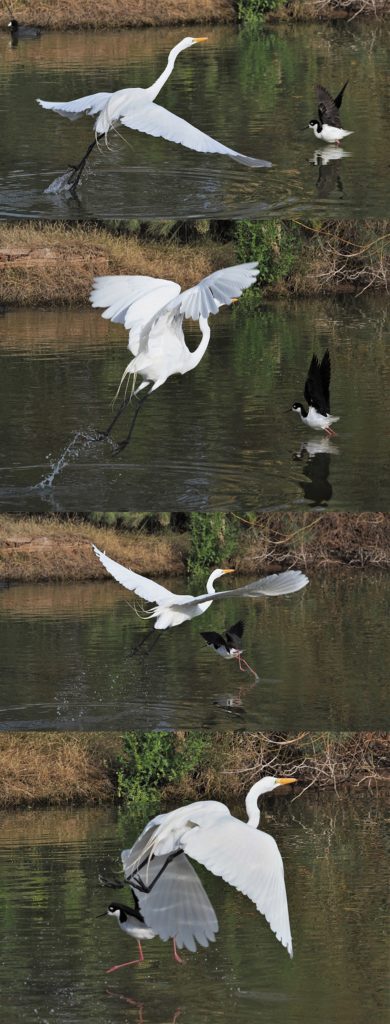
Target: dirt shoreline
[
  {"x": 58, "y": 769},
  {"x": 53, "y": 264},
  {"x": 117, "y": 14},
  {"x": 48, "y": 548}
]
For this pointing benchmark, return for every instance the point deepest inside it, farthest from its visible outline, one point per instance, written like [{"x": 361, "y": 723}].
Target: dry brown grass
[
  {"x": 56, "y": 14},
  {"x": 47, "y": 264},
  {"x": 48, "y": 548},
  {"x": 346, "y": 255},
  {"x": 57, "y": 768},
  {"x": 320, "y": 759},
  {"x": 308, "y": 540}
]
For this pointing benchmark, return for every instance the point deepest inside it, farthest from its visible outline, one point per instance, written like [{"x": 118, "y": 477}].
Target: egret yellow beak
[
  {"x": 285, "y": 782},
  {"x": 234, "y": 300},
  {"x": 201, "y": 39},
  {"x": 228, "y": 570}
]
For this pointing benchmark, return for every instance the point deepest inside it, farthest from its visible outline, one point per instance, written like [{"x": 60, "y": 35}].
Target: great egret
[
  {"x": 181, "y": 911},
  {"x": 228, "y": 645},
  {"x": 327, "y": 128},
  {"x": 172, "y": 609},
  {"x": 153, "y": 311},
  {"x": 135, "y": 108},
  {"x": 232, "y": 849},
  {"x": 316, "y": 392}
]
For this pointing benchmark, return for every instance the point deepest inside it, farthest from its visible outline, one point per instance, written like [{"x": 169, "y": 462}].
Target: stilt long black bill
[{"x": 123, "y": 444}]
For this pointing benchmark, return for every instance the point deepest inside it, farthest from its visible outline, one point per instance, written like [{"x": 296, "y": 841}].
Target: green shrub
[
  {"x": 213, "y": 538},
  {"x": 275, "y": 244},
  {"x": 151, "y": 760},
  {"x": 252, "y": 12}
]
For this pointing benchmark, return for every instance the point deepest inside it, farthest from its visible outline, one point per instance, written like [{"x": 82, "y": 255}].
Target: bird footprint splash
[{"x": 79, "y": 443}]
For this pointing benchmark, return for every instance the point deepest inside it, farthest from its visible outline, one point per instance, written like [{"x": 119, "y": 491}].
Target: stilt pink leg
[
  {"x": 330, "y": 432},
  {"x": 175, "y": 953},
  {"x": 129, "y": 962},
  {"x": 241, "y": 661}
]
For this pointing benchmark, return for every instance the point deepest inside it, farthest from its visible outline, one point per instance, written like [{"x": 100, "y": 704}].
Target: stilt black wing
[
  {"x": 213, "y": 638},
  {"x": 234, "y": 633},
  {"x": 317, "y": 384},
  {"x": 328, "y": 108}
]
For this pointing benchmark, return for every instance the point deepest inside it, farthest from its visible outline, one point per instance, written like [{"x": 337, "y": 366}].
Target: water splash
[
  {"x": 79, "y": 443},
  {"x": 61, "y": 184}
]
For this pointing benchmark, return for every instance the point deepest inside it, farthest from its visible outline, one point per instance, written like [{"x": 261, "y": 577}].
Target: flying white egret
[
  {"x": 172, "y": 609},
  {"x": 181, "y": 911},
  {"x": 135, "y": 108},
  {"x": 153, "y": 311},
  {"x": 232, "y": 849}
]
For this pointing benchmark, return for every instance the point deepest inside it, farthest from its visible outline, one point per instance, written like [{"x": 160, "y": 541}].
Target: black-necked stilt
[
  {"x": 228, "y": 645},
  {"x": 327, "y": 127},
  {"x": 131, "y": 922},
  {"x": 22, "y": 31},
  {"x": 316, "y": 392}
]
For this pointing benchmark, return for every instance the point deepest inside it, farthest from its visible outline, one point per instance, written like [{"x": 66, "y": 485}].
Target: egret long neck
[
  {"x": 195, "y": 357},
  {"x": 251, "y": 804},
  {"x": 210, "y": 589},
  {"x": 154, "y": 89}
]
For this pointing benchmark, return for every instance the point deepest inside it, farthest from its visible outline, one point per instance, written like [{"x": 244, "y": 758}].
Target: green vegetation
[
  {"x": 252, "y": 13},
  {"x": 277, "y": 245},
  {"x": 152, "y": 760},
  {"x": 213, "y": 538}
]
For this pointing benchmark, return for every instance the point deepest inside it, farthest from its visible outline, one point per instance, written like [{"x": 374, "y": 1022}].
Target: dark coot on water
[{"x": 22, "y": 31}]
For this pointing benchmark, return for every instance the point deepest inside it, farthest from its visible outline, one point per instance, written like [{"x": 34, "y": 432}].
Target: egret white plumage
[
  {"x": 171, "y": 609},
  {"x": 234, "y": 850},
  {"x": 327, "y": 127},
  {"x": 136, "y": 109},
  {"x": 180, "y": 910},
  {"x": 317, "y": 388},
  {"x": 153, "y": 310}
]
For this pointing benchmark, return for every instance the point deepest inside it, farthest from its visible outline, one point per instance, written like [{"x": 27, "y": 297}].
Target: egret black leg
[
  {"x": 77, "y": 171},
  {"x": 122, "y": 407},
  {"x": 138, "y": 883},
  {"x": 123, "y": 444},
  {"x": 144, "y": 638}
]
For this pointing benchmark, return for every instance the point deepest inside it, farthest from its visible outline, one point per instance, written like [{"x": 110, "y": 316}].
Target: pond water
[
  {"x": 216, "y": 438},
  {"x": 55, "y": 951},
  {"x": 321, "y": 656},
  {"x": 252, "y": 91}
]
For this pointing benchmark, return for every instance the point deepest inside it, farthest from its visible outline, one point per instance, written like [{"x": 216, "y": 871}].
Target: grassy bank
[
  {"x": 63, "y": 768},
  {"x": 114, "y": 14},
  {"x": 49, "y": 548},
  {"x": 54, "y": 264}
]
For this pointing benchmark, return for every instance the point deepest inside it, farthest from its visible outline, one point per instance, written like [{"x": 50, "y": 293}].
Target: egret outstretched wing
[
  {"x": 130, "y": 299},
  {"x": 140, "y": 585},
  {"x": 270, "y": 586},
  {"x": 250, "y": 861},
  {"x": 75, "y": 108},
  {"x": 215, "y": 290},
  {"x": 155, "y": 120},
  {"x": 178, "y": 906}
]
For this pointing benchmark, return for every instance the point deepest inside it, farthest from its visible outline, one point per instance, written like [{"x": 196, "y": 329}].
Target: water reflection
[
  {"x": 329, "y": 177},
  {"x": 235, "y": 72},
  {"x": 65, "y": 666},
  {"x": 334, "y": 850},
  {"x": 315, "y": 457},
  {"x": 223, "y": 438}
]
